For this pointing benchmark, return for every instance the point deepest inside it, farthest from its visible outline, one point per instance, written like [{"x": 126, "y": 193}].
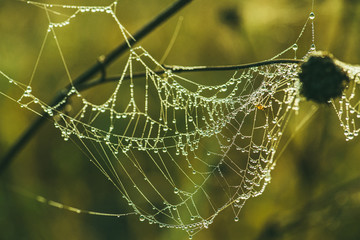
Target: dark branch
[
  {"x": 89, "y": 74},
  {"x": 180, "y": 69},
  {"x": 230, "y": 67}
]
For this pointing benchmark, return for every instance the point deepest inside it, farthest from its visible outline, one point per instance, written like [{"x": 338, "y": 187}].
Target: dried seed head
[{"x": 322, "y": 79}]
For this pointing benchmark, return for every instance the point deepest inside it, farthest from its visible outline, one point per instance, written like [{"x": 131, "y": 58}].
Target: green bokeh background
[{"x": 315, "y": 188}]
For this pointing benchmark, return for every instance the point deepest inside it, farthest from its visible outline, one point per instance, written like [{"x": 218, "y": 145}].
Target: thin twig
[
  {"x": 230, "y": 67},
  {"x": 181, "y": 69},
  {"x": 89, "y": 74}
]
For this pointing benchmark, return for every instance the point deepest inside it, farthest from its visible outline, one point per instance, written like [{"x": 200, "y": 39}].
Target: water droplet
[
  {"x": 206, "y": 225},
  {"x": 236, "y": 219},
  {"x": 142, "y": 218},
  {"x": 312, "y": 15},
  {"x": 176, "y": 191},
  {"x": 295, "y": 47},
  {"x": 268, "y": 177},
  {"x": 313, "y": 47}
]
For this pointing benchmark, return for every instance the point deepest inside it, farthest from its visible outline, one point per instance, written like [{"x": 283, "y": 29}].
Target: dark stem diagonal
[{"x": 99, "y": 67}]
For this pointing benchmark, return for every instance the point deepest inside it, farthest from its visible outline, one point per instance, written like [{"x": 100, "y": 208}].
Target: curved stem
[
  {"x": 181, "y": 69},
  {"x": 231, "y": 67}
]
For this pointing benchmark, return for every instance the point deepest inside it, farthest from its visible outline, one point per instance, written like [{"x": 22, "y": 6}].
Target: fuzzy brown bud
[{"x": 322, "y": 79}]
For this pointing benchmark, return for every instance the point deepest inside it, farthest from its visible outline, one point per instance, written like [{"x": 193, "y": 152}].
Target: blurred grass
[{"x": 213, "y": 33}]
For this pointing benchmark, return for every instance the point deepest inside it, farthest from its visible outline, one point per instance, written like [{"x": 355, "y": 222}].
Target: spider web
[
  {"x": 347, "y": 108},
  {"x": 180, "y": 152}
]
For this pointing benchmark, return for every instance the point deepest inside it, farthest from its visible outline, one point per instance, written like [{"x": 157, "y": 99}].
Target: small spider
[{"x": 260, "y": 107}]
